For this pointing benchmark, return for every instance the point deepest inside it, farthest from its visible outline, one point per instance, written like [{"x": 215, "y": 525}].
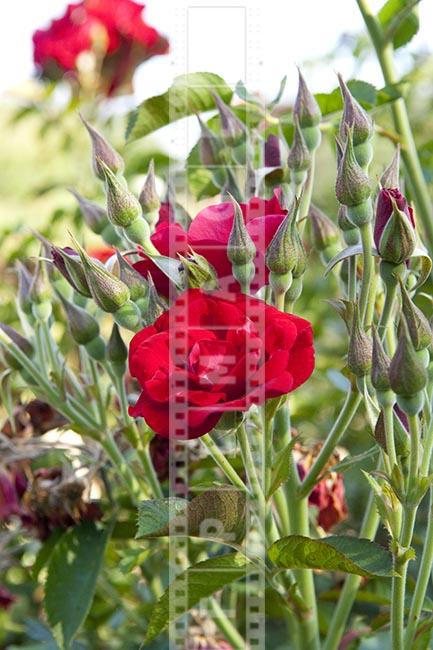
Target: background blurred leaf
[
  {"x": 73, "y": 569},
  {"x": 399, "y": 20}
]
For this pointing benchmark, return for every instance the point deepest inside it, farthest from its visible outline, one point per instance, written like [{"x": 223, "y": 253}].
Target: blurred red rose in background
[{"x": 114, "y": 30}]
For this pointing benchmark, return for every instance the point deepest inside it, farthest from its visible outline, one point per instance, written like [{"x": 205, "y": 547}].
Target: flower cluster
[{"x": 114, "y": 30}]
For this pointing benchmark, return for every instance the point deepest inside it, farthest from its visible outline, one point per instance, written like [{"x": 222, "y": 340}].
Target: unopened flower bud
[
  {"x": 24, "y": 283},
  {"x": 394, "y": 228},
  {"x": 122, "y": 206},
  {"x": 82, "y": 325},
  {"x": 352, "y": 186},
  {"x": 199, "y": 273},
  {"x": 136, "y": 284},
  {"x": 232, "y": 129},
  {"x": 407, "y": 375},
  {"x": 240, "y": 246},
  {"x": 149, "y": 199},
  {"x": 282, "y": 252},
  {"x": 67, "y": 261},
  {"x": 306, "y": 109},
  {"x": 109, "y": 293},
  {"x": 103, "y": 152},
  {"x": 301, "y": 256},
  {"x": 209, "y": 145},
  {"x": 417, "y": 324},
  {"x": 40, "y": 293},
  {"x": 272, "y": 154},
  {"x": 22, "y": 343},
  {"x": 117, "y": 352},
  {"x": 324, "y": 232},
  {"x": 299, "y": 159},
  {"x": 354, "y": 116},
  {"x": 380, "y": 365},
  {"x": 359, "y": 355},
  {"x": 391, "y": 175},
  {"x": 94, "y": 216}
]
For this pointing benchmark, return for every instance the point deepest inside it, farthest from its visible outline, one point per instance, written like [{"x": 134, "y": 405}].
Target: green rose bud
[
  {"x": 282, "y": 253},
  {"x": 407, "y": 375},
  {"x": 82, "y": 325},
  {"x": 398, "y": 238},
  {"x": 149, "y": 199},
  {"x": 380, "y": 365},
  {"x": 199, "y": 273},
  {"x": 359, "y": 356},
  {"x": 94, "y": 216},
  {"x": 299, "y": 159},
  {"x": 354, "y": 116},
  {"x": 122, "y": 206},
  {"x": 102, "y": 151},
  {"x": 117, "y": 352},
  {"x": 232, "y": 129},
  {"x": 25, "y": 280},
  {"x": 417, "y": 324},
  {"x": 352, "y": 186},
  {"x": 240, "y": 246},
  {"x": 137, "y": 285},
  {"x": 22, "y": 343},
  {"x": 324, "y": 232},
  {"x": 306, "y": 109},
  {"x": 68, "y": 262}
]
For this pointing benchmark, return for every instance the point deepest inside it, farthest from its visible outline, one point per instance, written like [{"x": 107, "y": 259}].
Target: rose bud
[
  {"x": 103, "y": 152},
  {"x": 25, "y": 280},
  {"x": 407, "y": 374},
  {"x": 149, "y": 199},
  {"x": 272, "y": 154},
  {"x": 232, "y": 129},
  {"x": 282, "y": 253},
  {"x": 22, "y": 343},
  {"x": 417, "y": 324},
  {"x": 359, "y": 355},
  {"x": 307, "y": 112},
  {"x": 401, "y": 431},
  {"x": 94, "y": 216},
  {"x": 394, "y": 228},
  {"x": 306, "y": 109},
  {"x": 241, "y": 249},
  {"x": 84, "y": 329},
  {"x": 352, "y": 186},
  {"x": 299, "y": 159},
  {"x": 325, "y": 234},
  {"x": 117, "y": 352},
  {"x": 209, "y": 145},
  {"x": 354, "y": 116},
  {"x": 110, "y": 294},
  {"x": 7, "y": 599},
  {"x": 199, "y": 273},
  {"x": 137, "y": 285},
  {"x": 380, "y": 370},
  {"x": 67, "y": 261},
  {"x": 122, "y": 206},
  {"x": 391, "y": 175}
]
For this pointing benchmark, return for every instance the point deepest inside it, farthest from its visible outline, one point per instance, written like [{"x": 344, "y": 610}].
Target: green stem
[
  {"x": 99, "y": 399},
  {"x": 226, "y": 626},
  {"x": 367, "y": 271},
  {"x": 353, "y": 399},
  {"x": 351, "y": 289},
  {"x": 149, "y": 471},
  {"x": 113, "y": 452},
  {"x": 385, "y": 328},
  {"x": 384, "y": 51},
  {"x": 222, "y": 462},
  {"x": 414, "y": 450},
  {"x": 251, "y": 471},
  {"x": 399, "y": 582},
  {"x": 351, "y": 585},
  {"x": 423, "y": 580}
]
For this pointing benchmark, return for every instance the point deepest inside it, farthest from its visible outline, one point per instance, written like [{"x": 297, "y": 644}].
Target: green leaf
[
  {"x": 347, "y": 554},
  {"x": 281, "y": 468},
  {"x": 189, "y": 94},
  {"x": 199, "y": 581},
  {"x": 215, "y": 514},
  {"x": 45, "y": 552},
  {"x": 332, "y": 102},
  {"x": 170, "y": 267},
  {"x": 352, "y": 461},
  {"x": 399, "y": 20},
  {"x": 73, "y": 569}
]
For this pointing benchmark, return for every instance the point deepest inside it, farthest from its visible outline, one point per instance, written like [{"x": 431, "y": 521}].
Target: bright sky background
[
  {"x": 284, "y": 32},
  {"x": 259, "y": 42}
]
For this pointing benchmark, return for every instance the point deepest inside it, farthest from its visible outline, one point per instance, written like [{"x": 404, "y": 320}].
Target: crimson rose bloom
[
  {"x": 211, "y": 353},
  {"x": 384, "y": 211},
  {"x": 208, "y": 235},
  {"x": 117, "y": 23}
]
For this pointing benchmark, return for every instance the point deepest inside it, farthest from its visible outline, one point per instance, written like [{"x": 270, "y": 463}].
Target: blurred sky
[{"x": 212, "y": 35}]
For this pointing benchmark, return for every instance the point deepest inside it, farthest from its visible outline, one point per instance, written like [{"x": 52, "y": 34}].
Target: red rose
[
  {"x": 211, "y": 353},
  {"x": 393, "y": 249},
  {"x": 7, "y": 599},
  {"x": 208, "y": 236},
  {"x": 101, "y": 253},
  {"x": 118, "y": 23}
]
